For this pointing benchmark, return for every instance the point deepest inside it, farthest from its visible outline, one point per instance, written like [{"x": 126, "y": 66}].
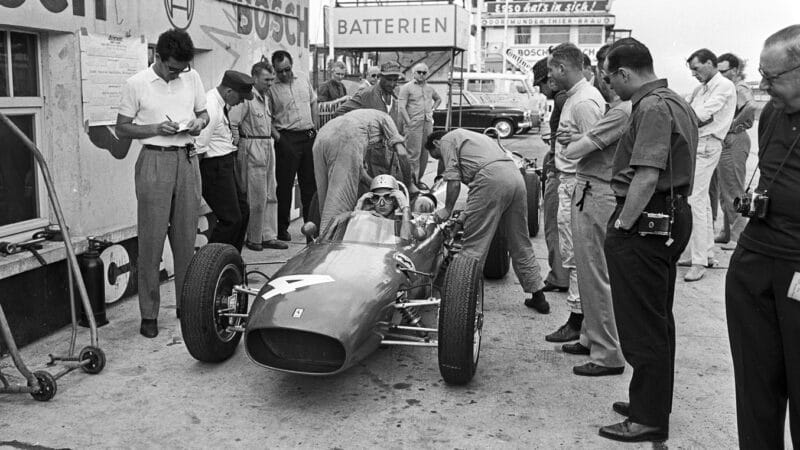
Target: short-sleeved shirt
[
  {"x": 744, "y": 96},
  {"x": 778, "y": 234},
  {"x": 604, "y": 135},
  {"x": 251, "y": 118},
  {"x": 216, "y": 138},
  {"x": 583, "y": 108},
  {"x": 419, "y": 98},
  {"x": 149, "y": 99},
  {"x": 466, "y": 152},
  {"x": 290, "y": 104},
  {"x": 661, "y": 124}
]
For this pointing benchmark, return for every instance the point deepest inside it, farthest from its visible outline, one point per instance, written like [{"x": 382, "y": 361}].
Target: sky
[{"x": 673, "y": 29}]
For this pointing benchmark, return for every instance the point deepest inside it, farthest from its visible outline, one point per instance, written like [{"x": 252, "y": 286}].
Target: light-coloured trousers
[
  {"x": 589, "y": 223},
  {"x": 497, "y": 202},
  {"x": 257, "y": 162},
  {"x": 417, "y": 133},
  {"x": 557, "y": 276},
  {"x": 730, "y": 179},
  {"x": 566, "y": 189},
  {"x": 168, "y": 195},
  {"x": 701, "y": 243}
]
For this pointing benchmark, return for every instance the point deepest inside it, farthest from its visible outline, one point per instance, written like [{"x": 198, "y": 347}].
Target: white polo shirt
[
  {"x": 216, "y": 139},
  {"x": 149, "y": 99}
]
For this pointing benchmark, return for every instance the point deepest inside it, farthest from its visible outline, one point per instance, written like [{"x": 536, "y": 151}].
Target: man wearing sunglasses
[
  {"x": 162, "y": 107},
  {"x": 714, "y": 102},
  {"x": 762, "y": 288},
  {"x": 417, "y": 102},
  {"x": 370, "y": 78}
]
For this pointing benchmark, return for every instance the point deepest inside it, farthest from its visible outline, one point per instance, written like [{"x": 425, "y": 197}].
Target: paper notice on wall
[{"x": 106, "y": 62}]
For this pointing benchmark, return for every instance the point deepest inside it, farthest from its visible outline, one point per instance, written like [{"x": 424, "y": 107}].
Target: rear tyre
[
  {"x": 497, "y": 258},
  {"x": 533, "y": 188},
  {"x": 213, "y": 272},
  {"x": 505, "y": 128},
  {"x": 460, "y": 320}
]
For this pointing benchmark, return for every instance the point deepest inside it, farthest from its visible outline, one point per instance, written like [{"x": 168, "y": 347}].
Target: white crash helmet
[{"x": 383, "y": 182}]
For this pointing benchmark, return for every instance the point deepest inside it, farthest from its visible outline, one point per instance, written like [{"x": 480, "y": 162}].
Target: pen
[{"x": 168, "y": 118}]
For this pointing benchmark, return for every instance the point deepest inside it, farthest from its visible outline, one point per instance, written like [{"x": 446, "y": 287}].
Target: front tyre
[
  {"x": 460, "y": 320},
  {"x": 207, "y": 292}
]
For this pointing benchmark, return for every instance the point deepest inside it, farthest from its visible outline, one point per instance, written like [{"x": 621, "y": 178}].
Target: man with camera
[
  {"x": 652, "y": 174},
  {"x": 762, "y": 288}
]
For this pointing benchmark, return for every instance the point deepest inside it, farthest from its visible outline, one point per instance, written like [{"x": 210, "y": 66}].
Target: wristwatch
[{"x": 618, "y": 225}]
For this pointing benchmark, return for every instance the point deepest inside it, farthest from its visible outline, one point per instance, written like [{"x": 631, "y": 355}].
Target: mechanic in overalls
[
  {"x": 497, "y": 199},
  {"x": 339, "y": 158}
]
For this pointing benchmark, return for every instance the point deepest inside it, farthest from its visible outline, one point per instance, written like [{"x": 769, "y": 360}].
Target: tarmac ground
[{"x": 153, "y": 394}]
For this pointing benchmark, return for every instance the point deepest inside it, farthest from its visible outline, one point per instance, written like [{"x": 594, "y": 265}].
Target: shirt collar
[
  {"x": 577, "y": 87},
  {"x": 153, "y": 76},
  {"x": 648, "y": 88},
  {"x": 218, "y": 98},
  {"x": 713, "y": 81}
]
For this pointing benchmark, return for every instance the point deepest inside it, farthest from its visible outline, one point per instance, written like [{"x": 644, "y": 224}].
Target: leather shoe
[
  {"x": 623, "y": 408},
  {"x": 538, "y": 302},
  {"x": 722, "y": 238},
  {"x": 149, "y": 328},
  {"x": 276, "y": 244},
  {"x": 688, "y": 263},
  {"x": 575, "y": 349},
  {"x": 284, "y": 236},
  {"x": 254, "y": 246},
  {"x": 628, "y": 431},
  {"x": 552, "y": 287},
  {"x": 696, "y": 273},
  {"x": 564, "y": 334},
  {"x": 591, "y": 369}
]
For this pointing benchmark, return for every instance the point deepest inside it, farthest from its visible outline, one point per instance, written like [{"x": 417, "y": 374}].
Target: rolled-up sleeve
[
  {"x": 389, "y": 130},
  {"x": 449, "y": 152}
]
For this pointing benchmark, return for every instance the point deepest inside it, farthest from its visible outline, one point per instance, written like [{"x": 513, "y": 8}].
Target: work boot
[
  {"x": 149, "y": 328},
  {"x": 284, "y": 235},
  {"x": 538, "y": 302},
  {"x": 565, "y": 333}
]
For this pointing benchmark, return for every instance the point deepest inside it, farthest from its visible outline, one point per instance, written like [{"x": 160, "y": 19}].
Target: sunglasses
[
  {"x": 339, "y": 74},
  {"x": 374, "y": 75},
  {"x": 386, "y": 197},
  {"x": 286, "y": 70},
  {"x": 607, "y": 76},
  {"x": 422, "y": 72},
  {"x": 772, "y": 78},
  {"x": 726, "y": 70},
  {"x": 177, "y": 70}
]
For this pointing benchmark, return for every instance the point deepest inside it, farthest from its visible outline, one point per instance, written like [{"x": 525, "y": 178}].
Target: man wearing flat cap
[
  {"x": 215, "y": 145},
  {"x": 381, "y": 96}
]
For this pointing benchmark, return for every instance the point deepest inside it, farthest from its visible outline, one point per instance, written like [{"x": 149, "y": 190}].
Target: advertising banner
[{"x": 547, "y": 7}]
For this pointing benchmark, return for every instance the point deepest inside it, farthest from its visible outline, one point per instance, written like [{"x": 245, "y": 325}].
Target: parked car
[{"x": 468, "y": 112}]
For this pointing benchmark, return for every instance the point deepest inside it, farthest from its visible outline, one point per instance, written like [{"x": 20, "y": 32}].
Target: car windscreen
[{"x": 364, "y": 227}]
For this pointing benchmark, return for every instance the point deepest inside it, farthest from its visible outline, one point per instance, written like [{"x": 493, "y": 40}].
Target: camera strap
[{"x": 772, "y": 122}]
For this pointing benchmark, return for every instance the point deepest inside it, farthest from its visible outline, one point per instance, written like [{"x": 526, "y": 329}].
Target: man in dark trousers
[
  {"x": 220, "y": 189},
  {"x": 652, "y": 173},
  {"x": 293, "y": 104},
  {"x": 762, "y": 288}
]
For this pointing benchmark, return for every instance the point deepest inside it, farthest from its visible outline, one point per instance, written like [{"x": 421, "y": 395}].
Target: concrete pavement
[{"x": 152, "y": 394}]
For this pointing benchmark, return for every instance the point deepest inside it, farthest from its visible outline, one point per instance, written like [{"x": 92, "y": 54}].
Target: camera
[
  {"x": 654, "y": 224},
  {"x": 752, "y": 205}
]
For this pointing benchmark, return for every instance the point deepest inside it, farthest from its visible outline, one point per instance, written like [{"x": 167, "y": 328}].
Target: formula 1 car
[{"x": 351, "y": 290}]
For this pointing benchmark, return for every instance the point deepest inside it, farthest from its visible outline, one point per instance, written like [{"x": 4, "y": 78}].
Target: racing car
[{"x": 352, "y": 289}]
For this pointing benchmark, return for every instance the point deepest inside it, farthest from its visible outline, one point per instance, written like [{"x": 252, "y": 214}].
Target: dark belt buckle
[{"x": 312, "y": 133}]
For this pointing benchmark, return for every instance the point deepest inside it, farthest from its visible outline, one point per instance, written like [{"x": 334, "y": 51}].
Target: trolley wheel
[
  {"x": 96, "y": 358},
  {"x": 47, "y": 386}
]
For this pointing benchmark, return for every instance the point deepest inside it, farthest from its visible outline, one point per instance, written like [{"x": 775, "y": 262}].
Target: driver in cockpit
[{"x": 385, "y": 199}]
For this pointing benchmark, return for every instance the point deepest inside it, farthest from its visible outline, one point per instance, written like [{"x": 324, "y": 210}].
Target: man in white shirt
[
  {"x": 714, "y": 103},
  {"x": 215, "y": 144},
  {"x": 162, "y": 107}
]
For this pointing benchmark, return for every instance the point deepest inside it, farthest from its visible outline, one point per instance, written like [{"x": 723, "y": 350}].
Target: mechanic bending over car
[
  {"x": 339, "y": 152},
  {"x": 497, "y": 200}
]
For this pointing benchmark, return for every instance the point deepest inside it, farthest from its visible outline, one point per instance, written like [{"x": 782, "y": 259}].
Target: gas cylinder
[{"x": 93, "y": 271}]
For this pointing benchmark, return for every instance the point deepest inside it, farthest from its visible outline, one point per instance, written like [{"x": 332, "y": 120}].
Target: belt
[
  {"x": 309, "y": 132},
  {"x": 173, "y": 148},
  {"x": 242, "y": 136},
  {"x": 659, "y": 202}
]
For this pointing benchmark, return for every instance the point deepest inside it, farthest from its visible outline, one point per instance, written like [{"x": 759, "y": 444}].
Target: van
[{"x": 502, "y": 89}]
